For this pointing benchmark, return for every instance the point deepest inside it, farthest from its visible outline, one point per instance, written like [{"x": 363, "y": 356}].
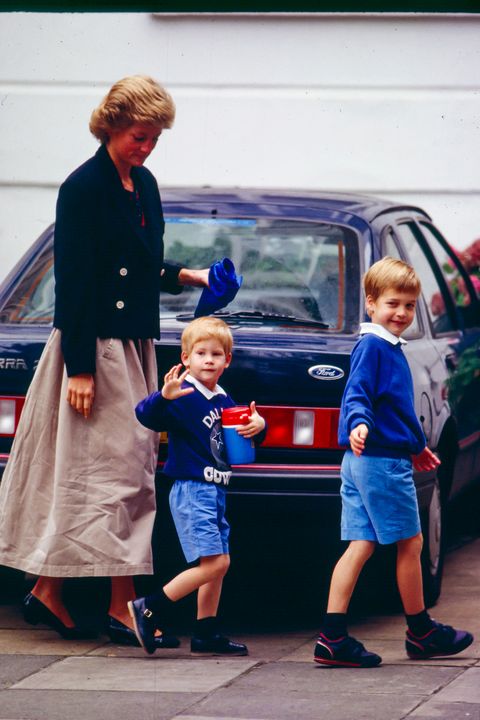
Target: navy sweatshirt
[
  {"x": 196, "y": 449},
  {"x": 379, "y": 393}
]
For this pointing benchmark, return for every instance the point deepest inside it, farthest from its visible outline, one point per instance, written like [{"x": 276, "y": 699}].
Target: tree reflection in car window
[
  {"x": 438, "y": 299},
  {"x": 305, "y": 269}
]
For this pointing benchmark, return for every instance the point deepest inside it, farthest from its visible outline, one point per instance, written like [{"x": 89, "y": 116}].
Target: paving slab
[
  {"x": 77, "y": 705},
  {"x": 465, "y": 688},
  {"x": 146, "y": 674},
  {"x": 16, "y": 667},
  {"x": 211, "y": 717},
  {"x": 43, "y": 642},
  {"x": 305, "y": 707},
  {"x": 282, "y": 691},
  {"x": 433, "y": 710}
]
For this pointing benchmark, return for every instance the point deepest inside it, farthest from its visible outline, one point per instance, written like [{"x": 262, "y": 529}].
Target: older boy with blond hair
[
  {"x": 189, "y": 407},
  {"x": 379, "y": 502}
]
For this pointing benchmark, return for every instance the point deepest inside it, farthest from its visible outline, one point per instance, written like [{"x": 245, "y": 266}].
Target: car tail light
[
  {"x": 290, "y": 427},
  {"x": 10, "y": 411}
]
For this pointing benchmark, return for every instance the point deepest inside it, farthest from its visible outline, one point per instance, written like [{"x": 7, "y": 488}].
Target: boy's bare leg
[
  {"x": 208, "y": 599},
  {"x": 211, "y": 569},
  {"x": 409, "y": 574},
  {"x": 346, "y": 573}
]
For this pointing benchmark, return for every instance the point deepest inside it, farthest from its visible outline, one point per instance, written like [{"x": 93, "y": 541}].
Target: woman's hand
[
  {"x": 357, "y": 439},
  {"x": 172, "y": 383},
  {"x": 196, "y": 278},
  {"x": 255, "y": 424},
  {"x": 80, "y": 393}
]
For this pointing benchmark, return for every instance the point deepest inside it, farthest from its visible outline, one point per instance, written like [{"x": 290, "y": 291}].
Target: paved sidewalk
[{"x": 43, "y": 677}]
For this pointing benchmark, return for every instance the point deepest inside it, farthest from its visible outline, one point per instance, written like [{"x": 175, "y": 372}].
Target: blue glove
[{"x": 224, "y": 284}]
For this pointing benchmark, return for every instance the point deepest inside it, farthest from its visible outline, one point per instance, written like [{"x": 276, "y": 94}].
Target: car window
[
  {"x": 390, "y": 248},
  {"x": 32, "y": 300},
  {"x": 455, "y": 276},
  {"x": 302, "y": 269},
  {"x": 435, "y": 292}
]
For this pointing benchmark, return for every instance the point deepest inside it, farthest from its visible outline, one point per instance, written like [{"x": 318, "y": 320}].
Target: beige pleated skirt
[{"x": 77, "y": 497}]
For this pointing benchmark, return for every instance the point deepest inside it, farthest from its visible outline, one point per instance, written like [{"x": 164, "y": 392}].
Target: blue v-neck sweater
[{"x": 379, "y": 393}]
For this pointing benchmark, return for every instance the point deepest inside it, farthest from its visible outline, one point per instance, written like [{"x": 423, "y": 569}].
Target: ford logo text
[{"x": 326, "y": 372}]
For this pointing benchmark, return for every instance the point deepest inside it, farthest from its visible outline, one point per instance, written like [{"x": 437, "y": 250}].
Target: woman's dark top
[{"x": 109, "y": 268}]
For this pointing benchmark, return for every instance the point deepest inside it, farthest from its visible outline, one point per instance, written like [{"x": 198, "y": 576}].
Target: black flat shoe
[
  {"x": 120, "y": 634},
  {"x": 34, "y": 612},
  {"x": 144, "y": 624},
  {"x": 217, "y": 645}
]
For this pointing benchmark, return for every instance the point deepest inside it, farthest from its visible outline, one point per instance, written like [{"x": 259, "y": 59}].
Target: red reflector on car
[
  {"x": 319, "y": 427},
  {"x": 10, "y": 411}
]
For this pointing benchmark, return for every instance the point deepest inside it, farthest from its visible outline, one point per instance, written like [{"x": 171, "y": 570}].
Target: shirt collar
[
  {"x": 380, "y": 331},
  {"x": 209, "y": 394}
]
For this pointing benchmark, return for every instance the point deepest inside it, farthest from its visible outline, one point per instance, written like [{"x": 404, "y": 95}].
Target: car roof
[{"x": 366, "y": 207}]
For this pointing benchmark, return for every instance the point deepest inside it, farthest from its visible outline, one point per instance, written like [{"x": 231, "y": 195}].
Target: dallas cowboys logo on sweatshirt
[{"x": 196, "y": 450}]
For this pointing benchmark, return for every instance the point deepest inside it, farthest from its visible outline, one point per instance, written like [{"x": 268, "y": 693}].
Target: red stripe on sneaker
[{"x": 420, "y": 637}]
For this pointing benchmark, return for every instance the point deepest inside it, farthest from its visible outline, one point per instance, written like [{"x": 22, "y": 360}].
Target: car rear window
[{"x": 304, "y": 270}]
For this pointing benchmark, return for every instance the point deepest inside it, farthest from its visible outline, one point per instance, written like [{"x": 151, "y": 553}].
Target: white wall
[{"x": 386, "y": 105}]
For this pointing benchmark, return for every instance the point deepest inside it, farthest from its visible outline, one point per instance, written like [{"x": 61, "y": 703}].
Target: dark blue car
[{"x": 295, "y": 321}]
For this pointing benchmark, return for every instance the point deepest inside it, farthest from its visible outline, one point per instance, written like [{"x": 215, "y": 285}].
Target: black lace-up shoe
[
  {"x": 440, "y": 641},
  {"x": 143, "y": 623},
  {"x": 217, "y": 645},
  {"x": 344, "y": 651}
]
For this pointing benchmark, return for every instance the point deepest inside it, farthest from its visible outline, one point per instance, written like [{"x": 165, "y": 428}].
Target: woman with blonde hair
[{"x": 77, "y": 497}]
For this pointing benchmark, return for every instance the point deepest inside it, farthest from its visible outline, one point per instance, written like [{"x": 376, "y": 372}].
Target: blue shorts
[
  {"x": 379, "y": 500},
  {"x": 198, "y": 511}
]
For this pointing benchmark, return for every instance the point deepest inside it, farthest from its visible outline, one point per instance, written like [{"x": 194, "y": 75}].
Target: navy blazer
[{"x": 108, "y": 270}]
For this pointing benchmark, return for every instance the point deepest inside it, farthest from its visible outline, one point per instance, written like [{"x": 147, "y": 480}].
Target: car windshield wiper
[{"x": 262, "y": 316}]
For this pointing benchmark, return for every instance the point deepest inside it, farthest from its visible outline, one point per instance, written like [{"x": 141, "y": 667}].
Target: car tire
[{"x": 433, "y": 546}]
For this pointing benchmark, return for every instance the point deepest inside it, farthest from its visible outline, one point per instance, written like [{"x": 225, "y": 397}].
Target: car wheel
[{"x": 433, "y": 547}]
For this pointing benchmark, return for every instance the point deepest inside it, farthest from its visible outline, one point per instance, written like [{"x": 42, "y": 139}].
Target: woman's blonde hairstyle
[
  {"x": 206, "y": 328},
  {"x": 391, "y": 273},
  {"x": 135, "y": 99}
]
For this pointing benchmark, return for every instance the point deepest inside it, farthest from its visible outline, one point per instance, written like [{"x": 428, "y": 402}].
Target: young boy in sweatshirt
[
  {"x": 379, "y": 501},
  {"x": 189, "y": 407}
]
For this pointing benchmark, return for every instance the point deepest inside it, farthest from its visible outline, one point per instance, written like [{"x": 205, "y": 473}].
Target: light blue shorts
[
  {"x": 379, "y": 500},
  {"x": 198, "y": 511}
]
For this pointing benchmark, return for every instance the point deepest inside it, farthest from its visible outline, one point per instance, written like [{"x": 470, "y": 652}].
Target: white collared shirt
[
  {"x": 209, "y": 394},
  {"x": 376, "y": 329}
]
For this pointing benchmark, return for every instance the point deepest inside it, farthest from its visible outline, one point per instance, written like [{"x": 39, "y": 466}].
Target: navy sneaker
[
  {"x": 440, "y": 641},
  {"x": 143, "y": 624},
  {"x": 344, "y": 651}
]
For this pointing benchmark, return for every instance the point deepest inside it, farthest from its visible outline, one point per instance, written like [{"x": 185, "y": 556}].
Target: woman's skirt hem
[{"x": 64, "y": 571}]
